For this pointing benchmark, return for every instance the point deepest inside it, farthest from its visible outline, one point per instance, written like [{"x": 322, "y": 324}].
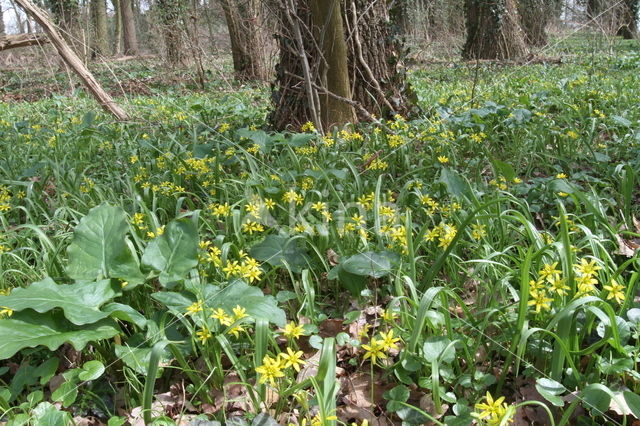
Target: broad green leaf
[
  {"x": 437, "y": 348},
  {"x": 398, "y": 394},
  {"x": 596, "y": 399},
  {"x": 66, "y": 393},
  {"x": 249, "y": 297},
  {"x": 504, "y": 169},
  {"x": 550, "y": 390},
  {"x": 125, "y": 313},
  {"x": 277, "y": 250},
  {"x": 91, "y": 370},
  {"x": 375, "y": 265},
  {"x": 80, "y": 302},
  {"x": 175, "y": 252},
  {"x": 47, "y": 414},
  {"x": 99, "y": 250},
  {"x": 28, "y": 330},
  {"x": 456, "y": 185},
  {"x": 352, "y": 282},
  {"x": 633, "y": 402},
  {"x": 173, "y": 300}
]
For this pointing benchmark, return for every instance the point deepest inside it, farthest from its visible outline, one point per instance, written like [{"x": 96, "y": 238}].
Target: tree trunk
[
  {"x": 493, "y": 30},
  {"x": 376, "y": 51},
  {"x": 101, "y": 34},
  {"x": 244, "y": 23},
  {"x": 128, "y": 28},
  {"x": 1, "y": 21},
  {"x": 19, "y": 23},
  {"x": 171, "y": 16},
  {"x": 328, "y": 31},
  {"x": 534, "y": 17},
  {"x": 117, "y": 30},
  {"x": 628, "y": 18},
  {"x": 372, "y": 54}
]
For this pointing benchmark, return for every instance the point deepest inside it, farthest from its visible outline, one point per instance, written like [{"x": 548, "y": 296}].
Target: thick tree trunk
[
  {"x": 493, "y": 30},
  {"x": 328, "y": 31},
  {"x": 1, "y": 21},
  {"x": 101, "y": 34},
  {"x": 628, "y": 19},
  {"x": 117, "y": 30},
  {"x": 375, "y": 51},
  {"x": 21, "y": 40},
  {"x": 244, "y": 22},
  {"x": 376, "y": 87},
  {"x": 128, "y": 28},
  {"x": 171, "y": 15},
  {"x": 534, "y": 17}
]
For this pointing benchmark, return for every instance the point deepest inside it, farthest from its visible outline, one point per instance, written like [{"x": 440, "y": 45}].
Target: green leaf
[
  {"x": 99, "y": 250},
  {"x": 277, "y": 250},
  {"x": 352, "y": 282},
  {"x": 80, "y": 302},
  {"x": 436, "y": 348},
  {"x": 375, "y": 265},
  {"x": 594, "y": 398},
  {"x": 504, "y": 169},
  {"x": 125, "y": 313},
  {"x": 456, "y": 185},
  {"x": 175, "y": 252},
  {"x": 173, "y": 300},
  {"x": 399, "y": 393},
  {"x": 633, "y": 402},
  {"x": 249, "y": 297},
  {"x": 26, "y": 330},
  {"x": 47, "y": 414},
  {"x": 91, "y": 370},
  {"x": 550, "y": 390},
  {"x": 66, "y": 393}
]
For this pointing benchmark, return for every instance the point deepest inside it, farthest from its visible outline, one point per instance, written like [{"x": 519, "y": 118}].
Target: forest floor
[{"x": 475, "y": 262}]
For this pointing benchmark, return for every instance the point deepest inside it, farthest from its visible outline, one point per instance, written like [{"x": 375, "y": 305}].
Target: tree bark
[
  {"x": 244, "y": 23},
  {"x": 21, "y": 40},
  {"x": 1, "y": 21},
  {"x": 493, "y": 30},
  {"x": 376, "y": 51},
  {"x": 117, "y": 30},
  {"x": 333, "y": 73},
  {"x": 101, "y": 34},
  {"x": 128, "y": 28},
  {"x": 171, "y": 16},
  {"x": 373, "y": 53},
  {"x": 534, "y": 17},
  {"x": 72, "y": 60},
  {"x": 628, "y": 18}
]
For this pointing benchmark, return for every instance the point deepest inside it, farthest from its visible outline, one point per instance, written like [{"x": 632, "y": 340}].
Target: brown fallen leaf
[
  {"x": 352, "y": 413},
  {"x": 627, "y": 247}
]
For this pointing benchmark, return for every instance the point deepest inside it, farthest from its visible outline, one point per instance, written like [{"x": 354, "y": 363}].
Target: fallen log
[
  {"x": 72, "y": 60},
  {"x": 21, "y": 40}
]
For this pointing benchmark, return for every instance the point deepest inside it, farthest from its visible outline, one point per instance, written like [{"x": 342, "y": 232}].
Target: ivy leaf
[
  {"x": 26, "y": 330},
  {"x": 175, "y": 252},
  {"x": 80, "y": 302},
  {"x": 99, "y": 249}
]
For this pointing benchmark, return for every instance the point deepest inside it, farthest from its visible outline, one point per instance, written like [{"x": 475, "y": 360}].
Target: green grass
[{"x": 483, "y": 233}]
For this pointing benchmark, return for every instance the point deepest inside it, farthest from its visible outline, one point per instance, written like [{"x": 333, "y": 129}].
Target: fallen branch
[
  {"x": 21, "y": 40},
  {"x": 72, "y": 60}
]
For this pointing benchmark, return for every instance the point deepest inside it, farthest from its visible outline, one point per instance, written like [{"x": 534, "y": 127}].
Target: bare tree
[
  {"x": 628, "y": 19},
  {"x": 493, "y": 30},
  {"x": 171, "y": 16}
]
